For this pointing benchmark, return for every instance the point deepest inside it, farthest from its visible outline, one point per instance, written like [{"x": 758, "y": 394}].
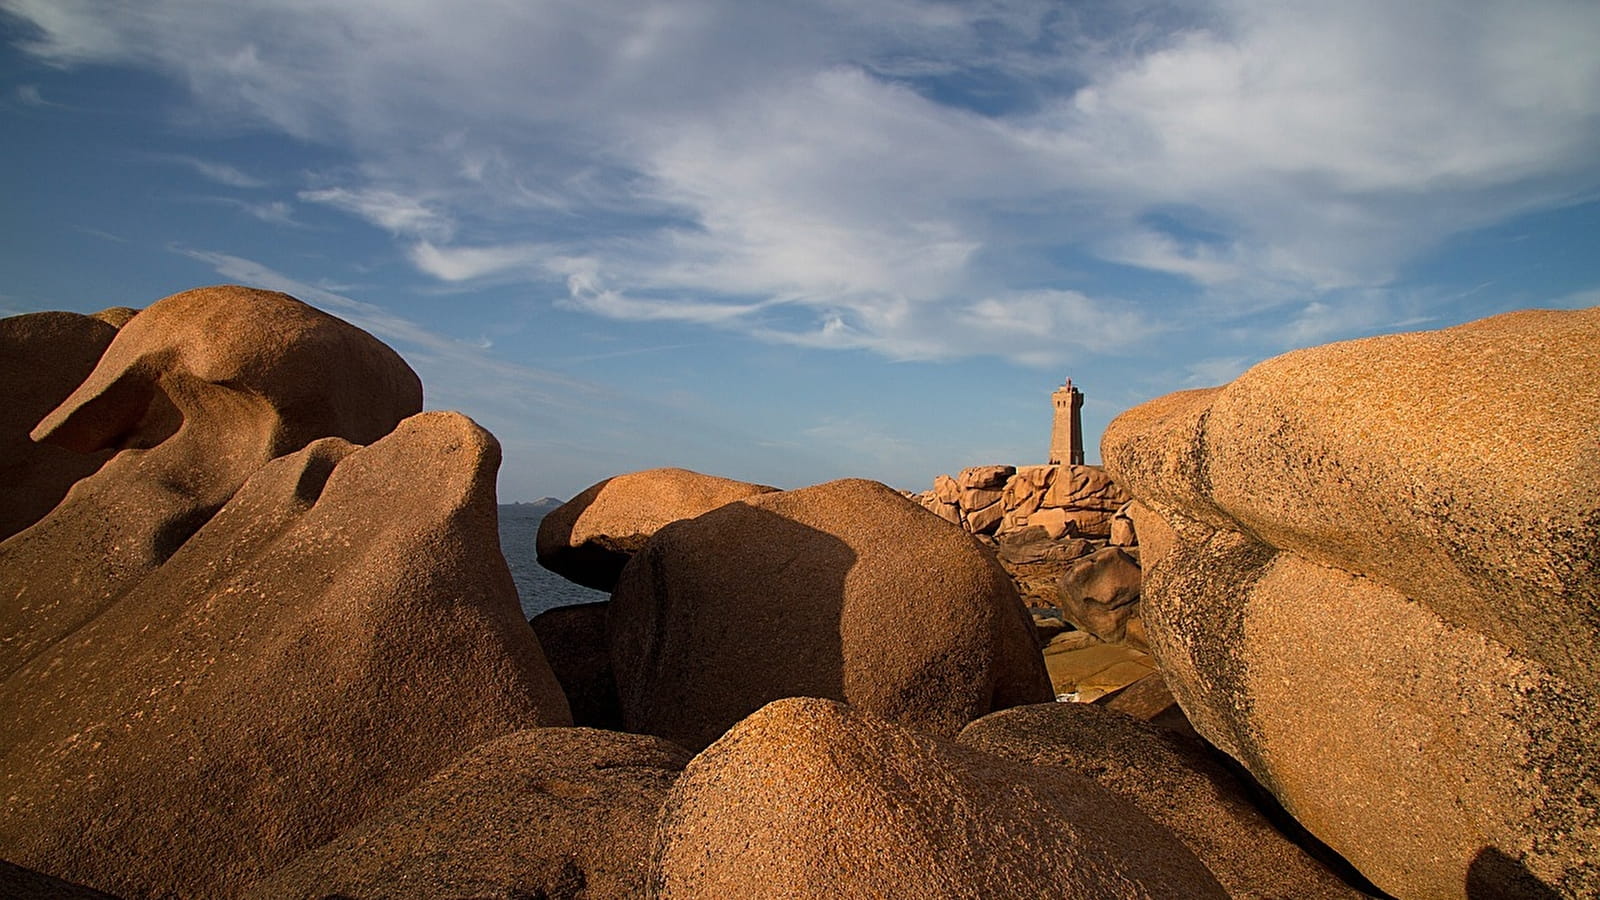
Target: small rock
[
  {"x": 1100, "y": 593},
  {"x": 985, "y": 477}
]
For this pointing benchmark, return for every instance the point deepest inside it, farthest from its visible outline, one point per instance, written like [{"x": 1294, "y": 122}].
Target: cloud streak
[{"x": 922, "y": 180}]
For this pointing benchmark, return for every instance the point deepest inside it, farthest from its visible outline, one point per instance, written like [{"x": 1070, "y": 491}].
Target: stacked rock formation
[
  {"x": 1370, "y": 575},
  {"x": 246, "y": 631},
  {"x": 588, "y": 539},
  {"x": 257, "y": 639},
  {"x": 1071, "y": 501}
]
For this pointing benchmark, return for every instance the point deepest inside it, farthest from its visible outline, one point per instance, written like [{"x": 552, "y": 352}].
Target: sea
[{"x": 538, "y": 588}]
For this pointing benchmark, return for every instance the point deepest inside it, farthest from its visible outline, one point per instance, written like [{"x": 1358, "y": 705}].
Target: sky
[{"x": 791, "y": 242}]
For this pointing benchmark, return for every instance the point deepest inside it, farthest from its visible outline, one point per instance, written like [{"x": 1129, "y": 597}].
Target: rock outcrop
[
  {"x": 811, "y": 798},
  {"x": 338, "y": 631},
  {"x": 1172, "y": 780},
  {"x": 1370, "y": 575},
  {"x": 43, "y": 357},
  {"x": 546, "y": 812},
  {"x": 590, "y": 538},
  {"x": 194, "y": 395},
  {"x": 1064, "y": 500},
  {"x": 804, "y": 593}
]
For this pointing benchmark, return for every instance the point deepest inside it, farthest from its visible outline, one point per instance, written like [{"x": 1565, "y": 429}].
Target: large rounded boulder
[
  {"x": 1370, "y": 575},
  {"x": 812, "y": 798},
  {"x": 588, "y": 539},
  {"x": 193, "y": 395},
  {"x": 545, "y": 812},
  {"x": 809, "y": 593},
  {"x": 341, "y": 629}
]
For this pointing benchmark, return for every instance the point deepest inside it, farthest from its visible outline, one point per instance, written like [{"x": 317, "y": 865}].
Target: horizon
[{"x": 793, "y": 244}]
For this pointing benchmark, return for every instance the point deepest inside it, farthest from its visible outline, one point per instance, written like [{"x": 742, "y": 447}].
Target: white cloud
[
  {"x": 467, "y": 263},
  {"x": 218, "y": 172},
  {"x": 273, "y": 212},
  {"x": 390, "y": 210},
  {"x": 870, "y": 174}
]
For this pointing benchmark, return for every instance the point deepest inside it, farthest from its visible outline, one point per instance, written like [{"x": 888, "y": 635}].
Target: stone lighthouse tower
[{"x": 1066, "y": 436}]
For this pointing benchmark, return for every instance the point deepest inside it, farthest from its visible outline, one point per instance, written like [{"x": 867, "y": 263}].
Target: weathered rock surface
[
  {"x": 590, "y": 538},
  {"x": 195, "y": 394},
  {"x": 803, "y": 593},
  {"x": 1370, "y": 576},
  {"x": 574, "y": 642},
  {"x": 811, "y": 798},
  {"x": 1099, "y": 593},
  {"x": 43, "y": 358},
  {"x": 1170, "y": 779},
  {"x": 342, "y": 628},
  {"x": 545, "y": 812}
]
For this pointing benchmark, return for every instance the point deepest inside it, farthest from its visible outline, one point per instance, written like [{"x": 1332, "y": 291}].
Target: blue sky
[{"x": 799, "y": 241}]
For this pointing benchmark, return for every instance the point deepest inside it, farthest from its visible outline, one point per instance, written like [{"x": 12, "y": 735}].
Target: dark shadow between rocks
[
  {"x": 574, "y": 641},
  {"x": 578, "y": 564},
  {"x": 20, "y": 883},
  {"x": 720, "y": 615},
  {"x": 1495, "y": 875},
  {"x": 43, "y": 358}
]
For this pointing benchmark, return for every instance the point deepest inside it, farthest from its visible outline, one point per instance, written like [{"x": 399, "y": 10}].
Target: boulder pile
[
  {"x": 1064, "y": 500},
  {"x": 803, "y": 593},
  {"x": 257, "y": 639},
  {"x": 588, "y": 539}
]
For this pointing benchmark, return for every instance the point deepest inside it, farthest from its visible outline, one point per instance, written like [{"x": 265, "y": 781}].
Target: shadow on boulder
[
  {"x": 809, "y": 593},
  {"x": 1494, "y": 875}
]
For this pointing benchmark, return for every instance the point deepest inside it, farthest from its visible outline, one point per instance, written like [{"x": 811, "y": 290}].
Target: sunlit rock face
[
  {"x": 813, "y": 798},
  {"x": 1370, "y": 575},
  {"x": 1171, "y": 779},
  {"x": 193, "y": 395},
  {"x": 808, "y": 593},
  {"x": 247, "y": 631},
  {"x": 1064, "y": 500},
  {"x": 590, "y": 538},
  {"x": 544, "y": 812}
]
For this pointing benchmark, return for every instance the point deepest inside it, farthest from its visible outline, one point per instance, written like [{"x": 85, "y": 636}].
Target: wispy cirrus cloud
[
  {"x": 213, "y": 171},
  {"x": 399, "y": 214}
]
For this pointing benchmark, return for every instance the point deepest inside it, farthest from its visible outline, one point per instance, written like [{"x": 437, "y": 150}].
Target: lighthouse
[{"x": 1066, "y": 435}]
